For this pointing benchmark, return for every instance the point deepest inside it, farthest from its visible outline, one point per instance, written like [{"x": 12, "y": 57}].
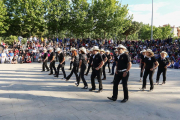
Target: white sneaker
[{"x": 76, "y": 83}]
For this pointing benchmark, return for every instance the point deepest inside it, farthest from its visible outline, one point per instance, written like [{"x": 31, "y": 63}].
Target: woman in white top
[{"x": 4, "y": 56}]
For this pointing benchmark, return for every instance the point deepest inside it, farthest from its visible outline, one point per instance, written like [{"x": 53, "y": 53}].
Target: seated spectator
[
  {"x": 11, "y": 55},
  {"x": 14, "y": 60},
  {"x": 176, "y": 65},
  {"x": 28, "y": 60},
  {"x": 3, "y": 57}
]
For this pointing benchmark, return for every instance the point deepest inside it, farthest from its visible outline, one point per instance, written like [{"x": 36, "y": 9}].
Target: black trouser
[
  {"x": 44, "y": 65},
  {"x": 89, "y": 66},
  {"x": 104, "y": 71},
  {"x": 74, "y": 70},
  {"x": 161, "y": 70},
  {"x": 71, "y": 63},
  {"x": 93, "y": 75},
  {"x": 118, "y": 78},
  {"x": 146, "y": 73},
  {"x": 141, "y": 72},
  {"x": 108, "y": 66},
  {"x": 56, "y": 56},
  {"x": 52, "y": 66},
  {"x": 81, "y": 75},
  {"x": 62, "y": 67}
]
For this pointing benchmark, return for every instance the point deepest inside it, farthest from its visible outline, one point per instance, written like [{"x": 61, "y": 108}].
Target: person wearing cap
[
  {"x": 52, "y": 61},
  {"x": 122, "y": 73},
  {"x": 82, "y": 66},
  {"x": 105, "y": 60},
  {"x": 114, "y": 60},
  {"x": 75, "y": 64},
  {"x": 162, "y": 68},
  {"x": 150, "y": 64},
  {"x": 141, "y": 65},
  {"x": 108, "y": 60},
  {"x": 61, "y": 65},
  {"x": 97, "y": 64},
  {"x": 45, "y": 59},
  {"x": 89, "y": 61}
]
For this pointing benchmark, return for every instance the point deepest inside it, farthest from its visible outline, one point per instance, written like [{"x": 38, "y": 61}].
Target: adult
[
  {"x": 45, "y": 59},
  {"x": 61, "y": 65},
  {"x": 105, "y": 60},
  {"x": 82, "y": 66},
  {"x": 162, "y": 68},
  {"x": 90, "y": 61},
  {"x": 114, "y": 60},
  {"x": 141, "y": 65},
  {"x": 97, "y": 71},
  {"x": 52, "y": 61},
  {"x": 122, "y": 73},
  {"x": 108, "y": 60},
  {"x": 150, "y": 64}
]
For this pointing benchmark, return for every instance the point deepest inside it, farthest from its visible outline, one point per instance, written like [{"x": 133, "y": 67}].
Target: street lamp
[{"x": 152, "y": 23}]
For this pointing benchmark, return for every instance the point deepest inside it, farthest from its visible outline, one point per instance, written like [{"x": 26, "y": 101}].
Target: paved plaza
[{"x": 26, "y": 93}]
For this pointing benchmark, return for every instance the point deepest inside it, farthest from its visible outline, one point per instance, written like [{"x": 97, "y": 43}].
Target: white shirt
[{"x": 3, "y": 55}]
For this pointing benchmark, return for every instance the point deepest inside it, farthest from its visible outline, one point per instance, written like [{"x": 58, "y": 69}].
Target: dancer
[
  {"x": 75, "y": 64},
  {"x": 71, "y": 63},
  {"x": 114, "y": 61},
  {"x": 97, "y": 65},
  {"x": 141, "y": 65},
  {"x": 82, "y": 66},
  {"x": 61, "y": 65},
  {"x": 89, "y": 61},
  {"x": 105, "y": 60},
  {"x": 52, "y": 61},
  {"x": 108, "y": 60},
  {"x": 150, "y": 64},
  {"x": 122, "y": 72},
  {"x": 45, "y": 59},
  {"x": 162, "y": 68}
]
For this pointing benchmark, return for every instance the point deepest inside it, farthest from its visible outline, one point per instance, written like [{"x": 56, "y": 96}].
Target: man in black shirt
[
  {"x": 52, "y": 61},
  {"x": 89, "y": 61},
  {"x": 45, "y": 59},
  {"x": 141, "y": 65},
  {"x": 97, "y": 63},
  {"x": 162, "y": 68},
  {"x": 122, "y": 72},
  {"x": 61, "y": 65},
  {"x": 108, "y": 60},
  {"x": 104, "y": 66}
]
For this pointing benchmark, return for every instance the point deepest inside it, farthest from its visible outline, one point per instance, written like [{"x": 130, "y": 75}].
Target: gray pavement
[{"x": 26, "y": 93}]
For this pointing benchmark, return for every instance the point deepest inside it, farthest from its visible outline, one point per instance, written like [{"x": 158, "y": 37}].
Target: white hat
[
  {"x": 83, "y": 49},
  {"x": 115, "y": 50},
  {"x": 121, "y": 46},
  {"x": 163, "y": 52},
  {"x": 50, "y": 48},
  {"x": 73, "y": 48},
  {"x": 102, "y": 50},
  {"x": 58, "y": 49},
  {"x": 91, "y": 49},
  {"x": 95, "y": 48},
  {"x": 149, "y": 50},
  {"x": 107, "y": 51},
  {"x": 143, "y": 51},
  {"x": 44, "y": 49}
]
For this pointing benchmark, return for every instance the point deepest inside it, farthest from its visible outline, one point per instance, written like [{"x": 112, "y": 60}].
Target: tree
[
  {"x": 3, "y": 18},
  {"x": 166, "y": 32},
  {"x": 133, "y": 28}
]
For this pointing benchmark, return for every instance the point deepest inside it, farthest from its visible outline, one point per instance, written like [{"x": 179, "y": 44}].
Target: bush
[
  {"x": 23, "y": 41},
  {"x": 9, "y": 40}
]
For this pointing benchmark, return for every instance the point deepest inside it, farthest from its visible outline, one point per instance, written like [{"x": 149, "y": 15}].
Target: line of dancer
[{"x": 96, "y": 59}]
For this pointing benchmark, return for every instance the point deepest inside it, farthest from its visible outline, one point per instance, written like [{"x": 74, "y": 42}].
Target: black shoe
[
  {"x": 91, "y": 89},
  {"x": 69, "y": 69},
  {"x": 163, "y": 82},
  {"x": 104, "y": 79},
  {"x": 86, "y": 74},
  {"x": 111, "y": 74},
  {"x": 112, "y": 82},
  {"x": 76, "y": 84},
  {"x": 124, "y": 100},
  {"x": 111, "y": 98},
  {"x": 99, "y": 91},
  {"x": 56, "y": 76},
  {"x": 50, "y": 73},
  {"x": 85, "y": 87}
]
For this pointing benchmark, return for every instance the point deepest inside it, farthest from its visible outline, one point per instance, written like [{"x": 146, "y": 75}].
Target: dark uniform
[
  {"x": 61, "y": 57},
  {"x": 142, "y": 64},
  {"x": 83, "y": 57},
  {"x": 104, "y": 66},
  {"x": 162, "y": 69},
  {"x": 114, "y": 63},
  {"x": 75, "y": 68},
  {"x": 89, "y": 64},
  {"x": 123, "y": 61},
  {"x": 45, "y": 62},
  {"x": 52, "y": 64},
  {"x": 108, "y": 62},
  {"x": 97, "y": 59},
  {"x": 71, "y": 63},
  {"x": 149, "y": 64}
]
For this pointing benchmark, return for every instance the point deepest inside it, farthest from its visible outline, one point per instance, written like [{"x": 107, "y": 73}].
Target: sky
[{"x": 165, "y": 11}]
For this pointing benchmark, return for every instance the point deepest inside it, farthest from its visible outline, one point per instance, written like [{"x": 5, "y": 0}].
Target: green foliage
[
  {"x": 9, "y": 40},
  {"x": 23, "y": 41}
]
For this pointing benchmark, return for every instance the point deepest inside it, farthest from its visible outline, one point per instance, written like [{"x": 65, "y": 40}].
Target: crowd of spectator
[{"x": 32, "y": 51}]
